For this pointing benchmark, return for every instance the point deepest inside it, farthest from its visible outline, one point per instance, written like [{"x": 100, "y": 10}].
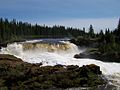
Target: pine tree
[
  {"x": 91, "y": 31},
  {"x": 101, "y": 33},
  {"x": 118, "y": 26}
]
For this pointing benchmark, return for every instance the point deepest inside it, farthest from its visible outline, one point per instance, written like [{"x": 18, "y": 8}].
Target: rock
[
  {"x": 84, "y": 71},
  {"x": 37, "y": 64},
  {"x": 14, "y": 73},
  {"x": 94, "y": 68},
  {"x": 72, "y": 67},
  {"x": 3, "y": 44},
  {"x": 58, "y": 65},
  {"x": 10, "y": 59},
  {"x": 82, "y": 55},
  {"x": 77, "y": 56}
]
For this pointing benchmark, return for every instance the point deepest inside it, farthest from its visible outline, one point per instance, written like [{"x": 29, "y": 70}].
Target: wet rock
[
  {"x": 72, "y": 67},
  {"x": 77, "y": 56},
  {"x": 3, "y": 44},
  {"x": 58, "y": 65},
  {"x": 37, "y": 64},
  {"x": 16, "y": 74},
  {"x": 94, "y": 68}
]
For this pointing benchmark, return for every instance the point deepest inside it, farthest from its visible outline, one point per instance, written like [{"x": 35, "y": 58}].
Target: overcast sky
[{"x": 71, "y": 13}]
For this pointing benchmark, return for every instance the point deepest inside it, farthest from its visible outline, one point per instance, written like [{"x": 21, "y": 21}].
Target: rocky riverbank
[
  {"x": 16, "y": 74},
  {"x": 95, "y": 50},
  {"x": 93, "y": 53}
]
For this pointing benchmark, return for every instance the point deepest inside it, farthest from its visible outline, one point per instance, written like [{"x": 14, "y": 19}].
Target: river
[{"x": 60, "y": 51}]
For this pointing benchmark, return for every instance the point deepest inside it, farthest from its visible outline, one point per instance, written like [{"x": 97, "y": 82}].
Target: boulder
[
  {"x": 77, "y": 56},
  {"x": 94, "y": 68},
  {"x": 3, "y": 45}
]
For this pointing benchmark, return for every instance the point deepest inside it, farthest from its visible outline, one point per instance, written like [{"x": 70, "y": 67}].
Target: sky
[{"x": 70, "y": 13}]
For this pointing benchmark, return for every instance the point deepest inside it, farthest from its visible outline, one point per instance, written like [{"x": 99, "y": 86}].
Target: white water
[{"x": 64, "y": 57}]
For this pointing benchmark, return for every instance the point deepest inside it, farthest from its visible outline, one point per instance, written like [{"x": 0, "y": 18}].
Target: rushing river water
[{"x": 58, "y": 51}]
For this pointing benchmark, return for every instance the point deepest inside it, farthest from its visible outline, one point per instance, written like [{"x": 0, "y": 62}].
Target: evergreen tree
[
  {"x": 101, "y": 33},
  {"x": 91, "y": 31},
  {"x": 117, "y": 30},
  {"x": 118, "y": 26},
  {"x": 13, "y": 30}
]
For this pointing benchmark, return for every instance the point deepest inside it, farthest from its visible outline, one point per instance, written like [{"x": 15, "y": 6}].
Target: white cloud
[{"x": 98, "y": 23}]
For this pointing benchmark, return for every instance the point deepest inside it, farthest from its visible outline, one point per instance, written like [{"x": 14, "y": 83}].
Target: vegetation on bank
[
  {"x": 17, "y": 30},
  {"x": 104, "y": 46},
  {"x": 16, "y": 74}
]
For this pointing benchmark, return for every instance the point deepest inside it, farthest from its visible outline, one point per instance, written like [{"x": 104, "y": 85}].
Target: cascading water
[{"x": 60, "y": 52}]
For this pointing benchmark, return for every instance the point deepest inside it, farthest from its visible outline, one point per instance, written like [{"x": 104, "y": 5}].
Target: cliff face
[{"x": 16, "y": 74}]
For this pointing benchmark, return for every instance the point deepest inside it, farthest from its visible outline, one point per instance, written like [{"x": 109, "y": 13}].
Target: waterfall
[{"x": 60, "y": 52}]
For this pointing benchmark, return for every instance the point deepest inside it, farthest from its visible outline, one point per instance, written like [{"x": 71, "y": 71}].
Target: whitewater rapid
[{"x": 60, "y": 53}]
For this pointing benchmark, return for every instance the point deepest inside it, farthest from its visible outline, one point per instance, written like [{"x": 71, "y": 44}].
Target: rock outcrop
[{"x": 16, "y": 74}]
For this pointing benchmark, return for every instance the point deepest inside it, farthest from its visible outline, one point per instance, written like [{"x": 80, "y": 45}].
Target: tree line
[
  {"x": 16, "y": 30},
  {"x": 110, "y": 40}
]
